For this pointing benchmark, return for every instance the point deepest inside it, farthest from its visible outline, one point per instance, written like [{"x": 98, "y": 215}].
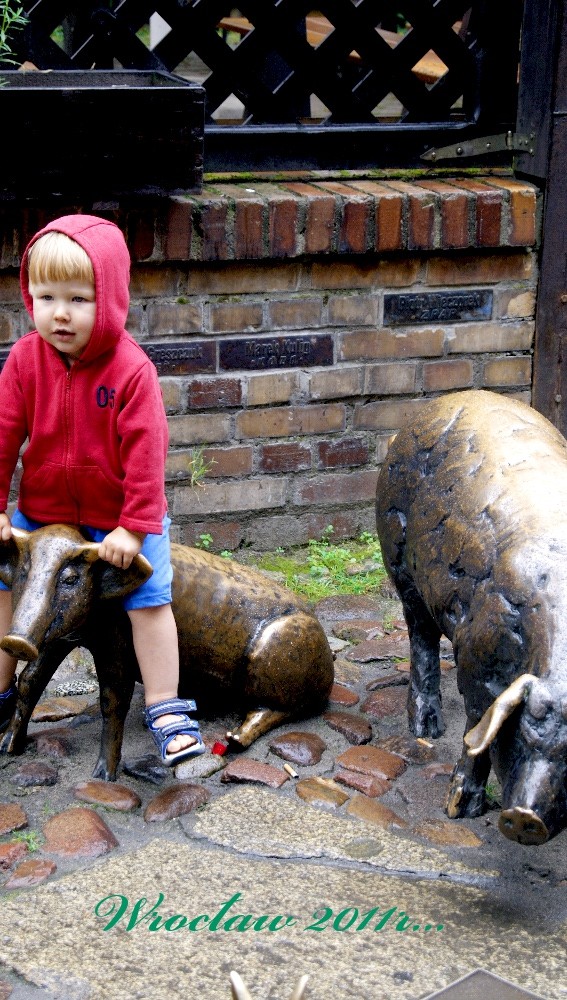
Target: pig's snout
[
  {"x": 19, "y": 647},
  {"x": 524, "y": 826}
]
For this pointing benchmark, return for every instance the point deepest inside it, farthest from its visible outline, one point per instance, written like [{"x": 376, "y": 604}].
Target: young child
[{"x": 88, "y": 399}]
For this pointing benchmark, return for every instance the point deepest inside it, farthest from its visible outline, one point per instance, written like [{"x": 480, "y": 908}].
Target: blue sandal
[
  {"x": 183, "y": 726},
  {"x": 7, "y": 705}
]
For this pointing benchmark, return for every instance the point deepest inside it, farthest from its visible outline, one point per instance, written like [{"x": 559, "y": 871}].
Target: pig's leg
[
  {"x": 257, "y": 723},
  {"x": 467, "y": 789},
  {"x": 32, "y": 682},
  {"x": 425, "y": 717},
  {"x": 116, "y": 669}
]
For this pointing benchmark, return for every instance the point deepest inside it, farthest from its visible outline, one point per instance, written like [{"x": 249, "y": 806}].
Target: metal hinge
[{"x": 512, "y": 141}]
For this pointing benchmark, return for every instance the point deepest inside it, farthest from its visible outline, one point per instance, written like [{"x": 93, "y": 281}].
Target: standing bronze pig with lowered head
[
  {"x": 245, "y": 643},
  {"x": 472, "y": 519}
]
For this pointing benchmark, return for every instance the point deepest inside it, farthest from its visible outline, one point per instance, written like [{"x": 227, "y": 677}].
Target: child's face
[{"x": 64, "y": 314}]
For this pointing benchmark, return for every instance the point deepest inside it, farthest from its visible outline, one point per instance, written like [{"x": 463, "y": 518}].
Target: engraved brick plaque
[
  {"x": 182, "y": 359},
  {"x": 260, "y": 353},
  {"x": 437, "y": 307}
]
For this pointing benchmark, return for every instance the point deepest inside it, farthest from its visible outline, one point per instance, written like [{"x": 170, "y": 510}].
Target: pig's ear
[
  {"x": 114, "y": 582},
  {"x": 480, "y": 738},
  {"x": 10, "y": 553}
]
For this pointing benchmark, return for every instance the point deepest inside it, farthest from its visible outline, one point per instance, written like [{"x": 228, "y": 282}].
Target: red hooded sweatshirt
[{"x": 97, "y": 430}]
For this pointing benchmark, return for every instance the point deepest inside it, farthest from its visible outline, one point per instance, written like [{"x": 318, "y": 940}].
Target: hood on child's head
[{"x": 105, "y": 245}]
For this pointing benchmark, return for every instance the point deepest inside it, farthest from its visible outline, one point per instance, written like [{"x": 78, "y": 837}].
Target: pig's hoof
[
  {"x": 427, "y": 720},
  {"x": 464, "y": 799},
  {"x": 103, "y": 772}
]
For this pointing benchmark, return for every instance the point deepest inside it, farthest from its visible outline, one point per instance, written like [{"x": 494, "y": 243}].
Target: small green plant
[
  {"x": 204, "y": 541},
  {"x": 225, "y": 554},
  {"x": 12, "y": 18},
  {"x": 199, "y": 467},
  {"x": 322, "y": 569},
  {"x": 31, "y": 838}
]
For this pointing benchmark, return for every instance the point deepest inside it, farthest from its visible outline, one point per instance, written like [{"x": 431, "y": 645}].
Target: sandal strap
[
  {"x": 185, "y": 727},
  {"x": 173, "y": 706},
  {"x": 12, "y": 690}
]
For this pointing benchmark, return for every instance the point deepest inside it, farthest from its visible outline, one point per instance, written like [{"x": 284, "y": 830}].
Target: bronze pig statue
[
  {"x": 244, "y": 641},
  {"x": 472, "y": 518}
]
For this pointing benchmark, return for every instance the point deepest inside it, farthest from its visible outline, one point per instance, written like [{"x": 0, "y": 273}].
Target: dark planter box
[{"x": 80, "y": 134}]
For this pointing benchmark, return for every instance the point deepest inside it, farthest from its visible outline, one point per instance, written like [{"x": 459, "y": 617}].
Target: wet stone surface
[
  {"x": 355, "y": 764},
  {"x": 303, "y": 749}
]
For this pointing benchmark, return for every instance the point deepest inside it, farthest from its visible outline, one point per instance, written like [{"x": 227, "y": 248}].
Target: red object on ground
[{"x": 219, "y": 748}]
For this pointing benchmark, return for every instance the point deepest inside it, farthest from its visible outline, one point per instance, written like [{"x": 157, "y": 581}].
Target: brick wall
[{"x": 274, "y": 314}]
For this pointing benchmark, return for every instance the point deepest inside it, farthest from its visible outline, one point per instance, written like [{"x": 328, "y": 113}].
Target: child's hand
[
  {"x": 5, "y": 527},
  {"x": 120, "y": 547}
]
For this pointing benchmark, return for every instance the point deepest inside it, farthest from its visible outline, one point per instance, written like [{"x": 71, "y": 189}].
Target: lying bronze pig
[
  {"x": 472, "y": 518},
  {"x": 244, "y": 641}
]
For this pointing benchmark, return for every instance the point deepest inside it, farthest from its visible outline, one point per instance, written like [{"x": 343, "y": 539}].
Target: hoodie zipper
[{"x": 68, "y": 435}]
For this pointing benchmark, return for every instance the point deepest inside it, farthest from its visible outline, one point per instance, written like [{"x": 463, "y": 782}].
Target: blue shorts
[{"x": 155, "y": 591}]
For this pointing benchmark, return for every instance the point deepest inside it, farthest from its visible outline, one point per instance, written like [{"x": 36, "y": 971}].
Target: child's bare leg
[
  {"x": 155, "y": 642},
  {"x": 7, "y": 663}
]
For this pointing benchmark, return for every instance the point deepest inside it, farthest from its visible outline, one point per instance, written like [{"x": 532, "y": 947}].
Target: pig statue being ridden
[
  {"x": 244, "y": 642},
  {"x": 472, "y": 519}
]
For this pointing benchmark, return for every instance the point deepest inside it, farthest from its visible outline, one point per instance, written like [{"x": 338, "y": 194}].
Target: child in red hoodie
[{"x": 88, "y": 399}]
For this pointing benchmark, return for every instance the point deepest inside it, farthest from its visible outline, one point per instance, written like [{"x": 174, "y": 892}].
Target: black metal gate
[{"x": 351, "y": 84}]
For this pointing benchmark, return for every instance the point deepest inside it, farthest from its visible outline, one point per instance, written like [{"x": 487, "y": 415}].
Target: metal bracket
[{"x": 511, "y": 141}]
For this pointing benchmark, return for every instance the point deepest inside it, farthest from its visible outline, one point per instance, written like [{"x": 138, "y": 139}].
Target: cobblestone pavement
[{"x": 348, "y": 801}]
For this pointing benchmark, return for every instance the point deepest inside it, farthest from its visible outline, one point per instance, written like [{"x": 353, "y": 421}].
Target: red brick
[
  {"x": 454, "y": 213},
  {"x": 488, "y": 212},
  {"x": 388, "y": 213},
  {"x": 353, "y": 310},
  {"x": 283, "y": 215},
  {"x": 390, "y": 379},
  {"x": 386, "y": 414},
  {"x": 354, "y": 217},
  {"x": 249, "y": 228},
  {"x": 337, "y": 454},
  {"x": 346, "y": 524},
  {"x": 522, "y": 210},
  {"x": 294, "y": 313},
  {"x": 443, "y": 375},
  {"x": 141, "y": 235},
  {"x": 167, "y": 319},
  {"x": 350, "y": 487},
  {"x": 237, "y": 317},
  {"x": 320, "y": 220},
  {"x": 421, "y": 215},
  {"x": 226, "y": 535},
  {"x": 508, "y": 371},
  {"x": 473, "y": 269},
  {"x": 362, "y": 345},
  {"x": 284, "y": 458},
  {"x": 284, "y": 421},
  {"x": 212, "y": 393},
  {"x": 213, "y": 221},
  {"x": 354, "y": 274},
  {"x": 178, "y": 230}
]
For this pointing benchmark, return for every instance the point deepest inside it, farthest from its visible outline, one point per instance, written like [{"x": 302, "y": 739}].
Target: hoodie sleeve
[
  {"x": 13, "y": 424},
  {"x": 143, "y": 432}
]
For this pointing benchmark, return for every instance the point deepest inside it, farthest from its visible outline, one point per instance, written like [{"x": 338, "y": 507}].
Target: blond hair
[{"x": 56, "y": 257}]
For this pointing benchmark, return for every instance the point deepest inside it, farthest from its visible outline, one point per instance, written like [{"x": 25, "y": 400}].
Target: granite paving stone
[
  {"x": 353, "y": 727},
  {"x": 373, "y": 761},
  {"x": 10, "y": 852},
  {"x": 341, "y": 695},
  {"x": 147, "y": 768},
  {"x": 29, "y": 873},
  {"x": 303, "y": 749},
  {"x": 387, "y": 701},
  {"x": 414, "y": 751},
  {"x": 56, "y": 743},
  {"x": 55, "y": 709},
  {"x": 248, "y": 769},
  {"x": 178, "y": 800},
  {"x": 107, "y": 794},
  {"x": 78, "y": 833},
  {"x": 321, "y": 791},
  {"x": 365, "y": 783},
  {"x": 387, "y": 648},
  {"x": 387, "y": 680},
  {"x": 34, "y": 773},
  {"x": 358, "y": 630},
  {"x": 12, "y": 817},
  {"x": 444, "y": 833}
]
